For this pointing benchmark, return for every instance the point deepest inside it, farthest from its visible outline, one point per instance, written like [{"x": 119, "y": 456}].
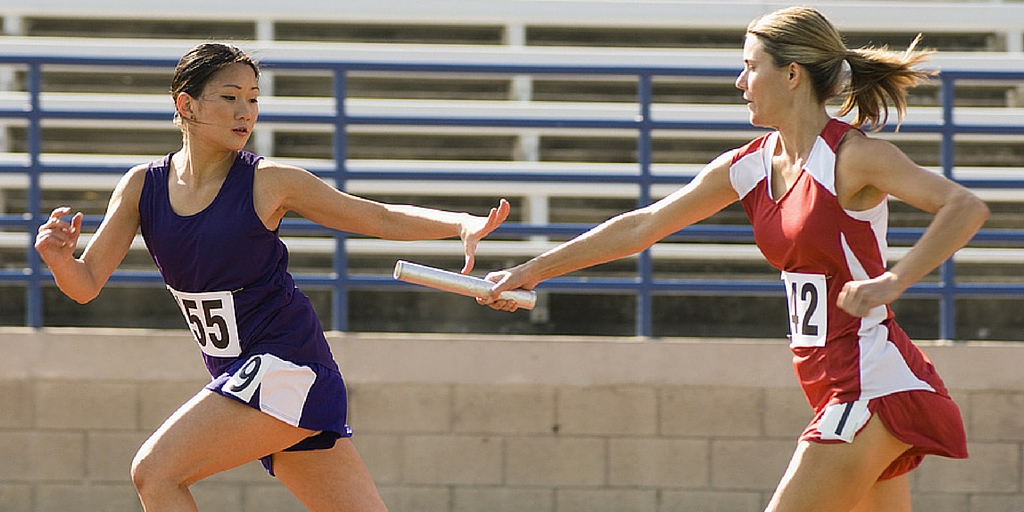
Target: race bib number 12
[
  {"x": 211, "y": 318},
  {"x": 808, "y": 319}
]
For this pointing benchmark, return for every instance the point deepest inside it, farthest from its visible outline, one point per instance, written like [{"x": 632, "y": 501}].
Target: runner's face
[
  {"x": 226, "y": 111},
  {"x": 761, "y": 82}
]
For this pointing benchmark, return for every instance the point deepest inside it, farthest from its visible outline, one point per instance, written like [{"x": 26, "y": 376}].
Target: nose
[
  {"x": 247, "y": 110},
  {"x": 741, "y": 81}
]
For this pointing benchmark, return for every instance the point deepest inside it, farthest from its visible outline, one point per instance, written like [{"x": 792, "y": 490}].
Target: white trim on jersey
[
  {"x": 878, "y": 217},
  {"x": 748, "y": 171},
  {"x": 821, "y": 164},
  {"x": 883, "y": 370}
]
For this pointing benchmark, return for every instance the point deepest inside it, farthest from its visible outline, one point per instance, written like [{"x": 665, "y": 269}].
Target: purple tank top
[{"x": 229, "y": 274}]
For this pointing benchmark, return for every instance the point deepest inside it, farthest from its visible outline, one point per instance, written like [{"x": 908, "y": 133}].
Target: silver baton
[{"x": 458, "y": 283}]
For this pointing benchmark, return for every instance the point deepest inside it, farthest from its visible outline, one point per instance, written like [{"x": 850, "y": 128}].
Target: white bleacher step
[
  {"x": 529, "y": 248},
  {"x": 449, "y": 187},
  {"x": 455, "y": 110},
  {"x": 418, "y": 56}
]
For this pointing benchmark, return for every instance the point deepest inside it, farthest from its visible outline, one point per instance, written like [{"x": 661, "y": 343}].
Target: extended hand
[
  {"x": 477, "y": 228},
  {"x": 57, "y": 239}
]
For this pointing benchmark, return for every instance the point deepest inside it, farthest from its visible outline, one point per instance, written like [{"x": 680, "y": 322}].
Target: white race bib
[
  {"x": 284, "y": 386},
  {"x": 211, "y": 318},
  {"x": 808, "y": 319}
]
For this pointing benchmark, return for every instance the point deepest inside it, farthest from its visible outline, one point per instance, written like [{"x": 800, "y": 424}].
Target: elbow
[
  {"x": 974, "y": 208},
  {"x": 637, "y": 233},
  {"x": 81, "y": 296},
  {"x": 983, "y": 211}
]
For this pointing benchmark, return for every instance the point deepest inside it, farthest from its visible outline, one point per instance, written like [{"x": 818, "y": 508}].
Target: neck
[
  {"x": 797, "y": 137},
  {"x": 196, "y": 164}
]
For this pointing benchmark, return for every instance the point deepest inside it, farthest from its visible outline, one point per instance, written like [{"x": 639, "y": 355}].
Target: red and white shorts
[{"x": 929, "y": 422}]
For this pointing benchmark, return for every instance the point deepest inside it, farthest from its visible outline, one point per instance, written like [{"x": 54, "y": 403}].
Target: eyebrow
[{"x": 239, "y": 87}]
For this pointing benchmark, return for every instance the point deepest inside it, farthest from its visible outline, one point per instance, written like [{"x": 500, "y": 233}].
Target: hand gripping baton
[{"x": 458, "y": 283}]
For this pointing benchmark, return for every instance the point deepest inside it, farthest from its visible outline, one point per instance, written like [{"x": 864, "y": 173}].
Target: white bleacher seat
[
  {"x": 855, "y": 15},
  {"x": 850, "y": 15}
]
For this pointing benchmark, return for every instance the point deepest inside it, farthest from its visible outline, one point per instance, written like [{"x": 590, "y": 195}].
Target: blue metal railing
[{"x": 644, "y": 286}]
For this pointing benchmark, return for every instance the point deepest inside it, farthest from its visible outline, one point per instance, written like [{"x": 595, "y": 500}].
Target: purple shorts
[{"x": 308, "y": 396}]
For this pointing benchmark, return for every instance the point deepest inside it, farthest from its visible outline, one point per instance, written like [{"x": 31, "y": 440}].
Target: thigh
[
  {"x": 211, "y": 433},
  {"x": 836, "y": 477},
  {"x": 891, "y": 495},
  {"x": 329, "y": 480}
]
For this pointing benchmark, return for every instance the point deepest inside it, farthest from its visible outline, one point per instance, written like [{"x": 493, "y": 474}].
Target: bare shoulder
[
  {"x": 137, "y": 173},
  {"x": 717, "y": 171},
  {"x": 859, "y": 151},
  {"x": 275, "y": 178},
  {"x": 722, "y": 162},
  {"x": 273, "y": 167},
  {"x": 281, "y": 174},
  {"x": 132, "y": 182}
]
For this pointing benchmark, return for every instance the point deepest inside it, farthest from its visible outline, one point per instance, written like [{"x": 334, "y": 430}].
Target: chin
[
  {"x": 238, "y": 145},
  {"x": 757, "y": 121}
]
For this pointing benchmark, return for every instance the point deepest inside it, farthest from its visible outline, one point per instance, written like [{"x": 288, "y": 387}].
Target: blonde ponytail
[
  {"x": 879, "y": 76},
  {"x": 804, "y": 36}
]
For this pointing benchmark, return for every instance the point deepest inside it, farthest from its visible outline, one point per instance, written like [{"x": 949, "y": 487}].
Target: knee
[
  {"x": 140, "y": 470},
  {"x": 148, "y": 473}
]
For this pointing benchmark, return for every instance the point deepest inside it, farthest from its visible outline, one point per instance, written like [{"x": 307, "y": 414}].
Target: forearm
[
  {"x": 406, "y": 222},
  {"x": 616, "y": 238},
  {"x": 952, "y": 228},
  {"x": 76, "y": 280}
]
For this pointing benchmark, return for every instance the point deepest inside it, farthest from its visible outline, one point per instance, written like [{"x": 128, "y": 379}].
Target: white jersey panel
[
  {"x": 821, "y": 164},
  {"x": 883, "y": 370},
  {"x": 751, "y": 168}
]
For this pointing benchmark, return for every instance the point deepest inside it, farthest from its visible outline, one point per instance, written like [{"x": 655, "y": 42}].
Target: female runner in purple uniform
[{"x": 209, "y": 214}]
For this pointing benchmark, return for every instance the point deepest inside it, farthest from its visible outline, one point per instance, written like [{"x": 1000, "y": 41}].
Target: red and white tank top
[{"x": 819, "y": 246}]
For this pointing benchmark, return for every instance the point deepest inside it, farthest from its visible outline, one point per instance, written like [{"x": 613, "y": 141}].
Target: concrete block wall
[{"x": 464, "y": 423}]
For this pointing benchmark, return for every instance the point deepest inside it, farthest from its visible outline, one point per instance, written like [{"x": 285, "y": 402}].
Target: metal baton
[{"x": 458, "y": 283}]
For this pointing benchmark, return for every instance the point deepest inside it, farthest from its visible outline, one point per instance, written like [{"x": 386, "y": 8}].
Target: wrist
[{"x": 895, "y": 281}]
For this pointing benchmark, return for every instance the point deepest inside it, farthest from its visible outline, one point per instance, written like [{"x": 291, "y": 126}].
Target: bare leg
[
  {"x": 838, "y": 477},
  {"x": 208, "y": 434},
  {"x": 329, "y": 480},
  {"x": 887, "y": 496}
]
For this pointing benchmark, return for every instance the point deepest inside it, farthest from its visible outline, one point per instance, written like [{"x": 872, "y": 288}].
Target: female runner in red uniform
[{"x": 815, "y": 190}]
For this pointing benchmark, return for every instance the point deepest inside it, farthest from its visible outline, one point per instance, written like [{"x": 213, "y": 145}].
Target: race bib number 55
[
  {"x": 211, "y": 318},
  {"x": 808, "y": 319}
]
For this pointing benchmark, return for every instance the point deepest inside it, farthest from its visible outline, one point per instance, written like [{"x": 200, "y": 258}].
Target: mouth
[{"x": 241, "y": 131}]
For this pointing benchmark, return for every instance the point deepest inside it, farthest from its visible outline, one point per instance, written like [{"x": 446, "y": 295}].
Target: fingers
[
  {"x": 470, "y": 258},
  {"x": 858, "y": 298},
  {"x": 501, "y": 283},
  {"x": 845, "y": 300},
  {"x": 56, "y": 232},
  {"x": 501, "y": 305},
  {"x": 494, "y": 219},
  {"x": 501, "y": 213},
  {"x": 497, "y": 215},
  {"x": 76, "y": 222},
  {"x": 59, "y": 212}
]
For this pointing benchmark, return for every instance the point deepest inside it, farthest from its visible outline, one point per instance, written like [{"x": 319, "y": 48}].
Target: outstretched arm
[
  {"x": 625, "y": 234},
  {"x": 83, "y": 278},
  {"x": 282, "y": 188}
]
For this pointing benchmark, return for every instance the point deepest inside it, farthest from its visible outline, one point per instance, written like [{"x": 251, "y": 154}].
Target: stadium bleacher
[{"x": 970, "y": 36}]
